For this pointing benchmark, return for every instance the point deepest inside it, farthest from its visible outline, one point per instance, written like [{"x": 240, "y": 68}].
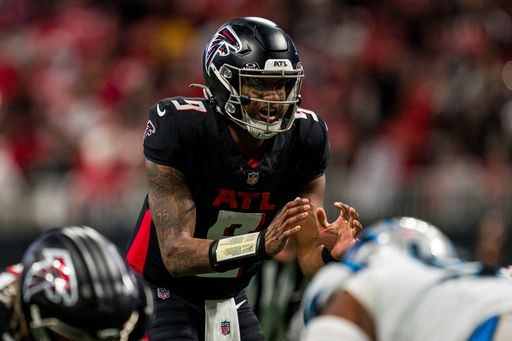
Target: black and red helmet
[
  {"x": 247, "y": 50},
  {"x": 76, "y": 284}
]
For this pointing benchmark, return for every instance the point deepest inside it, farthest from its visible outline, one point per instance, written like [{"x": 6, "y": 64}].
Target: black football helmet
[
  {"x": 252, "y": 51},
  {"x": 76, "y": 284}
]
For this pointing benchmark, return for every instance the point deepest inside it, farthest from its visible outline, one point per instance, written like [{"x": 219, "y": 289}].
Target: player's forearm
[
  {"x": 309, "y": 246},
  {"x": 310, "y": 260},
  {"x": 174, "y": 214},
  {"x": 174, "y": 219},
  {"x": 186, "y": 256}
]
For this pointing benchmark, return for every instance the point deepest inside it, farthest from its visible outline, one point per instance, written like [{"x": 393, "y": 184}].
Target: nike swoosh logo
[
  {"x": 159, "y": 111},
  {"x": 240, "y": 304}
]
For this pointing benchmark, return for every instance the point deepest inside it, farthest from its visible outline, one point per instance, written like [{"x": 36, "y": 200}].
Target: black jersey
[{"x": 233, "y": 195}]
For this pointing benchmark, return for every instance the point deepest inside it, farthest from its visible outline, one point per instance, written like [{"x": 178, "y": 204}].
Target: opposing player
[
  {"x": 72, "y": 284},
  {"x": 231, "y": 177},
  {"x": 402, "y": 281}
]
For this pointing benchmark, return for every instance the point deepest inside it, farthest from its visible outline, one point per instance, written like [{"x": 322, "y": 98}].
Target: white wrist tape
[{"x": 233, "y": 252}]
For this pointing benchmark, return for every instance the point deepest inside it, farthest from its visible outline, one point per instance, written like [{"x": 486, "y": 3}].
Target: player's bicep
[{"x": 170, "y": 202}]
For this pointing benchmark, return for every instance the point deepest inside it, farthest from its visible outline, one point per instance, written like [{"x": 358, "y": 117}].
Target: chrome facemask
[{"x": 258, "y": 128}]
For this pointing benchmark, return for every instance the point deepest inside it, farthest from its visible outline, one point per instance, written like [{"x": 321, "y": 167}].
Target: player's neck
[{"x": 246, "y": 144}]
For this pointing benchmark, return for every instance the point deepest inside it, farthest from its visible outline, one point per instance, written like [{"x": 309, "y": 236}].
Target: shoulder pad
[{"x": 328, "y": 280}]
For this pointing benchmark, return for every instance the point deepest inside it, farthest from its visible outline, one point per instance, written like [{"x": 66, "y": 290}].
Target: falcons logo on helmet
[
  {"x": 222, "y": 42},
  {"x": 55, "y": 276}
]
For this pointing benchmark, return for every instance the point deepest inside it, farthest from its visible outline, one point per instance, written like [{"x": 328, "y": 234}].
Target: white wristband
[{"x": 237, "y": 247}]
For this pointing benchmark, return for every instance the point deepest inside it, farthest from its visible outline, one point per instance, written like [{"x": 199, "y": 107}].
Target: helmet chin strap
[
  {"x": 258, "y": 129},
  {"x": 261, "y": 130}
]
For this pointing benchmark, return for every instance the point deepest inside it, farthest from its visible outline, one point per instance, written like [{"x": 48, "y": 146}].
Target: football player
[
  {"x": 231, "y": 177},
  {"x": 403, "y": 281},
  {"x": 73, "y": 284}
]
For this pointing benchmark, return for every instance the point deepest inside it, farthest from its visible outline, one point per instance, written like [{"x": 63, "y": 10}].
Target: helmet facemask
[
  {"x": 42, "y": 328},
  {"x": 252, "y": 51},
  {"x": 289, "y": 81}
]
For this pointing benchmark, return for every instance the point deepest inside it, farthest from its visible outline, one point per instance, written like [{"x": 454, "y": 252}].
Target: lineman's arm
[
  {"x": 174, "y": 214},
  {"x": 343, "y": 318}
]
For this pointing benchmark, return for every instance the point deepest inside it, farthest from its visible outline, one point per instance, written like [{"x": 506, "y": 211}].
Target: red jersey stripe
[{"x": 138, "y": 251}]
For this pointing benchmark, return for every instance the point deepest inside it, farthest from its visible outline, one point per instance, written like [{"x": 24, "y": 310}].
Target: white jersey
[{"x": 409, "y": 300}]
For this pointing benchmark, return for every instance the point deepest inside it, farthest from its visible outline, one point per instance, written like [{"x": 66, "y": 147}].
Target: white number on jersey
[
  {"x": 190, "y": 104},
  {"x": 303, "y": 113}
]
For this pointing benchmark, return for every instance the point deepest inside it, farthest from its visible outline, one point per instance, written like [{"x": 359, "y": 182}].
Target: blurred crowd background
[{"x": 417, "y": 95}]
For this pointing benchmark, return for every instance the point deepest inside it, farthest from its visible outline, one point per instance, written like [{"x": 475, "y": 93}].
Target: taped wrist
[
  {"x": 232, "y": 252},
  {"x": 326, "y": 256}
]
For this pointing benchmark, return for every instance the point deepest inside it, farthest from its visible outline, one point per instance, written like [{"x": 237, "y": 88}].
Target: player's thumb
[{"x": 321, "y": 217}]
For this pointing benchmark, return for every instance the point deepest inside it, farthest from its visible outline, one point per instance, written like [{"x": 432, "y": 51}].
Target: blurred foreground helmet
[
  {"x": 76, "y": 284},
  {"x": 416, "y": 237},
  {"x": 252, "y": 51}
]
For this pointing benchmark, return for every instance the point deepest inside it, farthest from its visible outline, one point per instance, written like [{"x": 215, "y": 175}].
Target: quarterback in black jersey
[
  {"x": 73, "y": 284},
  {"x": 231, "y": 177}
]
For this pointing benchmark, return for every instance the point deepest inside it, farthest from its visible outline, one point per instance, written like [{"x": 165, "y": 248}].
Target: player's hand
[
  {"x": 339, "y": 235},
  {"x": 285, "y": 224}
]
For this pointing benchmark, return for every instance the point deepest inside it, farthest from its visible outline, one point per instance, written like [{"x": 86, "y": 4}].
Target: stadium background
[{"x": 417, "y": 95}]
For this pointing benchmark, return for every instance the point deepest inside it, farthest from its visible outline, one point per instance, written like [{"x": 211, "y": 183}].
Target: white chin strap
[
  {"x": 259, "y": 129},
  {"x": 262, "y": 130}
]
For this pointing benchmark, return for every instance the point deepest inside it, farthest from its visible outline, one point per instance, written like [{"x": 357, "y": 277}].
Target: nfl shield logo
[
  {"x": 163, "y": 293},
  {"x": 252, "y": 178},
  {"x": 225, "y": 327}
]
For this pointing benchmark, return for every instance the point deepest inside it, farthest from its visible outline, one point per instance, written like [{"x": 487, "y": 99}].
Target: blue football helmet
[{"x": 414, "y": 236}]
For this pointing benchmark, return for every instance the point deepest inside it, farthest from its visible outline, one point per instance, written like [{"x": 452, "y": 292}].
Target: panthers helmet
[
  {"x": 416, "y": 237},
  {"x": 76, "y": 284},
  {"x": 249, "y": 51}
]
